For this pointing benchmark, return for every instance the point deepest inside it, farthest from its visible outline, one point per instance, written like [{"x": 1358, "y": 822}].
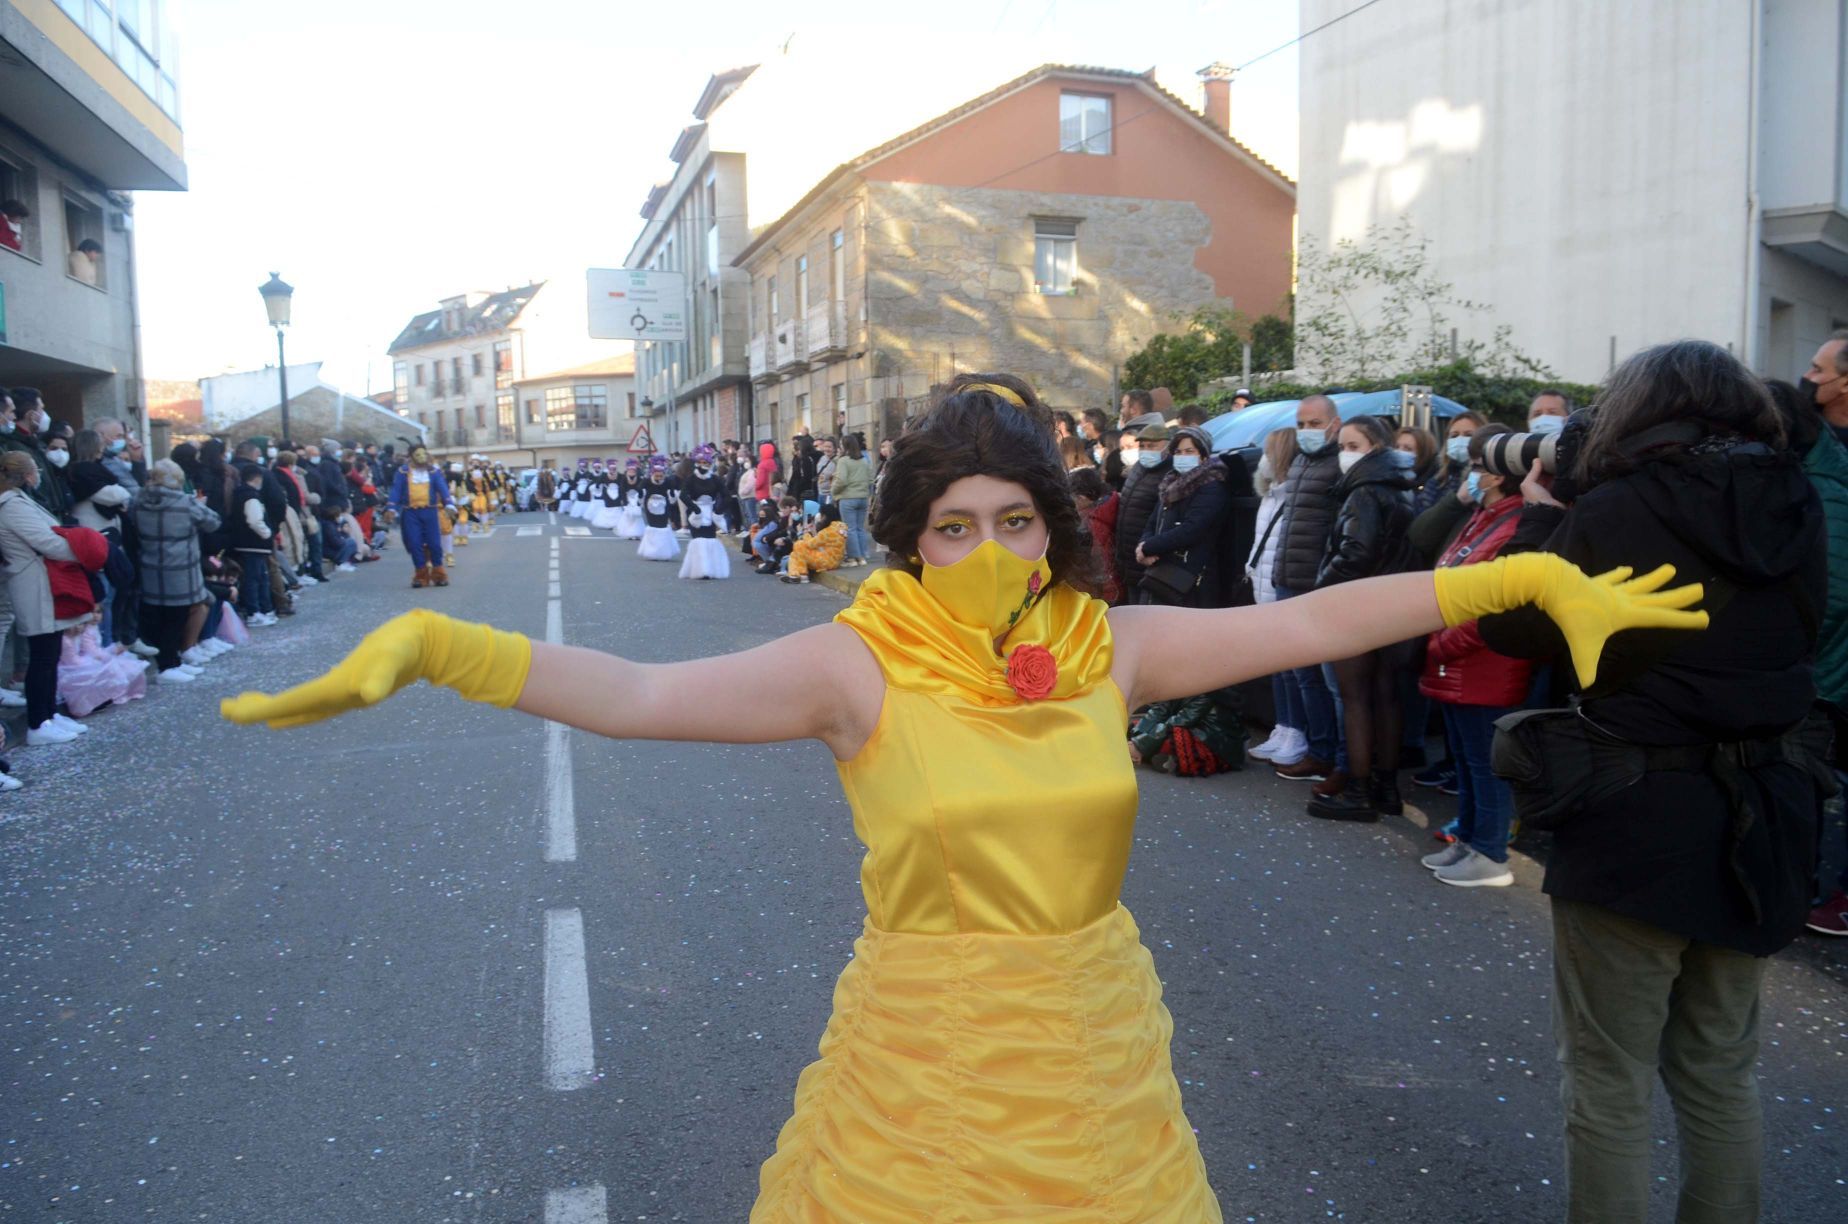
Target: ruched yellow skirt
[{"x": 984, "y": 1077}]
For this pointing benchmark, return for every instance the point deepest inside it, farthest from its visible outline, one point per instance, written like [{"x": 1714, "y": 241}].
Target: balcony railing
[
  {"x": 452, "y": 437},
  {"x": 791, "y": 354},
  {"x": 827, "y": 331},
  {"x": 760, "y": 356}
]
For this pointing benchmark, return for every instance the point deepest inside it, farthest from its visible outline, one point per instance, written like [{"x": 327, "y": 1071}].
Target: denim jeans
[
  {"x": 1334, "y": 695},
  {"x": 107, "y": 607},
  {"x": 1632, "y": 1002},
  {"x": 1484, "y": 804},
  {"x": 311, "y": 565},
  {"x": 764, "y": 547},
  {"x": 853, "y": 514},
  {"x": 346, "y": 548},
  {"x": 1318, "y": 705},
  {"x": 747, "y": 508},
  {"x": 1288, "y": 702},
  {"x": 253, "y": 589}
]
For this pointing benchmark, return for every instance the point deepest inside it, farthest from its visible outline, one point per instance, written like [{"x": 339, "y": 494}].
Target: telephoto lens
[{"x": 1513, "y": 454}]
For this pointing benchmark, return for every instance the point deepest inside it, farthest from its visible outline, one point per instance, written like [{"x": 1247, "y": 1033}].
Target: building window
[
  {"x": 802, "y": 413},
  {"x": 1084, "y": 123},
  {"x": 475, "y": 364},
  {"x": 1055, "y": 257},
  {"x": 802, "y": 297},
  {"x": 401, "y": 385},
  {"x": 773, "y": 302},
  {"x": 631, "y": 403},
  {"x": 481, "y": 417},
  {"x": 584, "y": 406},
  {"x": 19, "y": 182},
  {"x": 455, "y": 366},
  {"x": 837, "y": 267},
  {"x": 420, "y": 381},
  {"x": 532, "y": 412},
  {"x": 503, "y": 363},
  {"x": 840, "y": 408},
  {"x": 83, "y": 236},
  {"x": 503, "y": 414}
]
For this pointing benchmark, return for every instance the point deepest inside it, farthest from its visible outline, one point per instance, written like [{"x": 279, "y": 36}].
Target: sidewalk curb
[{"x": 834, "y": 580}]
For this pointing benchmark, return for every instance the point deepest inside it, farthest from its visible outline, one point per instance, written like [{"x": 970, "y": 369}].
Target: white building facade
[{"x": 1601, "y": 176}]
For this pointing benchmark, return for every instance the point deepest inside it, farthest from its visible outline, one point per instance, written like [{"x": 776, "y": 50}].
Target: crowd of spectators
[{"x": 117, "y": 568}]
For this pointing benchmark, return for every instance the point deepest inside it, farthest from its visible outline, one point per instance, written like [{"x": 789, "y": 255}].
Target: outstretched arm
[
  {"x": 1176, "y": 652},
  {"x": 821, "y": 683}
]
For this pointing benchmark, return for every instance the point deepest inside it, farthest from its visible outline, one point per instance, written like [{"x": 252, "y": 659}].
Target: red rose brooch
[{"x": 1032, "y": 672}]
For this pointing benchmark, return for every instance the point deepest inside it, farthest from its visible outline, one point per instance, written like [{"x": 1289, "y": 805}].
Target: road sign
[
  {"x": 643, "y": 442},
  {"x": 637, "y": 304}
]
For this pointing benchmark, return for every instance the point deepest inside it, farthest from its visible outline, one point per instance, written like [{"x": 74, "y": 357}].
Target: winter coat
[
  {"x": 801, "y": 481},
  {"x": 1429, "y": 488},
  {"x": 333, "y": 488},
  {"x": 852, "y": 478},
  {"x": 1135, "y": 507},
  {"x": 1827, "y": 465},
  {"x": 169, "y": 524},
  {"x": 1369, "y": 535},
  {"x": 249, "y": 529},
  {"x": 27, "y": 538},
  {"x": 766, "y": 471},
  {"x": 1459, "y": 668},
  {"x": 1270, "y": 533},
  {"x": 1661, "y": 851},
  {"x": 1309, "y": 504},
  {"x": 49, "y": 493},
  {"x": 1213, "y": 721},
  {"x": 1187, "y": 524},
  {"x": 97, "y": 501},
  {"x": 1103, "y": 525}
]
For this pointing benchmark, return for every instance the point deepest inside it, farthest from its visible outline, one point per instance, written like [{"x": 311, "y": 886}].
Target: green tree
[{"x": 1210, "y": 344}]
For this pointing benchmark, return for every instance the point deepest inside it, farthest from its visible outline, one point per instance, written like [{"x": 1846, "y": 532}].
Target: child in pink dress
[{"x": 90, "y": 677}]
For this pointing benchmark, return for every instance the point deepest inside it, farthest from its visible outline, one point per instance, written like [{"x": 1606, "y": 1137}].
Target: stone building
[
  {"x": 89, "y": 99},
  {"x": 586, "y": 412},
  {"x": 1048, "y": 229}
]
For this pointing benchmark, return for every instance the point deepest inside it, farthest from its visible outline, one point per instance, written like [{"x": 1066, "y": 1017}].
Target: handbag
[{"x": 1169, "y": 581}]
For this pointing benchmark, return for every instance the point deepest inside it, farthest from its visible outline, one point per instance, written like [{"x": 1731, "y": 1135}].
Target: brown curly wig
[{"x": 978, "y": 433}]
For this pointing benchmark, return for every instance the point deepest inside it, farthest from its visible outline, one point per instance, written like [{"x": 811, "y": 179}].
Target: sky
[{"x": 383, "y": 154}]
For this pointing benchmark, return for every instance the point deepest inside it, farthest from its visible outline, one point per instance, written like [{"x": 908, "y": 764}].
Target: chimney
[{"x": 1216, "y": 78}]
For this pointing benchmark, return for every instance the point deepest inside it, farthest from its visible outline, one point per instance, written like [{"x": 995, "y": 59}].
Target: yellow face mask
[{"x": 990, "y": 589}]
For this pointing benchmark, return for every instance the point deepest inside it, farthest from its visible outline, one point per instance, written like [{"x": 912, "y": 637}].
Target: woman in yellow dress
[{"x": 998, "y": 1048}]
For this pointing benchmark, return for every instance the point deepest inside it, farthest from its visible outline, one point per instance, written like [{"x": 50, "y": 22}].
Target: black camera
[{"x": 1514, "y": 454}]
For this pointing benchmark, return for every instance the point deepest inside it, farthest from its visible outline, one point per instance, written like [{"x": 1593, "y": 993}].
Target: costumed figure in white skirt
[
  {"x": 580, "y": 493},
  {"x": 658, "y": 493},
  {"x": 702, "y": 495},
  {"x": 629, "y": 521},
  {"x": 609, "y": 501}
]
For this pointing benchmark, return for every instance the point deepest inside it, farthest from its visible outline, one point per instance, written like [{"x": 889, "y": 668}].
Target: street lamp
[{"x": 276, "y": 294}]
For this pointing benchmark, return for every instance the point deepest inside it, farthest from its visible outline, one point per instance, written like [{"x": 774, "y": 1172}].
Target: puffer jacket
[
  {"x": 168, "y": 524},
  {"x": 1309, "y": 504},
  {"x": 1826, "y": 463},
  {"x": 1135, "y": 506},
  {"x": 1459, "y": 666},
  {"x": 1370, "y": 532},
  {"x": 1270, "y": 538}
]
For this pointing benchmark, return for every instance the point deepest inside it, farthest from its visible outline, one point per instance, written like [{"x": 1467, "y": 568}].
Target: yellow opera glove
[
  {"x": 1587, "y": 610},
  {"x": 478, "y": 661}
]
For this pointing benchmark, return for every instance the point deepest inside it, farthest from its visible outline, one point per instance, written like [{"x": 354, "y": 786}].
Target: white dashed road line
[
  {"x": 578, "y": 1205},
  {"x": 569, "y": 1057}
]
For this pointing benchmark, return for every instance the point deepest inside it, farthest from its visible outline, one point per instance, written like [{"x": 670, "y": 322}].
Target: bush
[
  {"x": 1210, "y": 345},
  {"x": 1500, "y": 397}
]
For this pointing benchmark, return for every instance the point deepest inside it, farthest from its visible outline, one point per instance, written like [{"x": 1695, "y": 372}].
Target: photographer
[{"x": 1683, "y": 806}]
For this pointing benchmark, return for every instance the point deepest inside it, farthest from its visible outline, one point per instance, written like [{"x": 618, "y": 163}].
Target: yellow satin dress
[{"x": 998, "y": 1049}]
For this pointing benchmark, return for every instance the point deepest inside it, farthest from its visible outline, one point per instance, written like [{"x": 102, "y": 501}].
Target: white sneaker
[
  {"x": 70, "y": 724},
  {"x": 308, "y": 580},
  {"x": 345, "y": 567},
  {"x": 12, "y": 698},
  {"x": 195, "y": 657},
  {"x": 179, "y": 675},
  {"x": 9, "y": 783},
  {"x": 211, "y": 648},
  {"x": 48, "y": 733},
  {"x": 144, "y": 650},
  {"x": 1293, "y": 752},
  {"x": 1279, "y": 736}
]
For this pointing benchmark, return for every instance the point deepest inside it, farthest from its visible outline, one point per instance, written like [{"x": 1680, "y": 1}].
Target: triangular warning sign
[{"x": 643, "y": 442}]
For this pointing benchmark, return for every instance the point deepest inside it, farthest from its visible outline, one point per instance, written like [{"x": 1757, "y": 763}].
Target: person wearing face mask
[
  {"x": 1302, "y": 528},
  {"x": 418, "y": 496},
  {"x": 658, "y": 496},
  {"x": 1473, "y": 687},
  {"x": 1140, "y": 497},
  {"x": 1179, "y": 546},
  {"x": 1824, "y": 386},
  {"x": 1368, "y": 540},
  {"x": 702, "y": 498},
  {"x": 28, "y": 539},
  {"x": 973, "y": 697},
  {"x": 23, "y": 438},
  {"x": 1547, "y": 414}
]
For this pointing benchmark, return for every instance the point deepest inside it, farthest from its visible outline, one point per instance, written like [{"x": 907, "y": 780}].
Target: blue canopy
[{"x": 1250, "y": 427}]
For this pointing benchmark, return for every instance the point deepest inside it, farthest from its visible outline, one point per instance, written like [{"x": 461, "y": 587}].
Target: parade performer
[
  {"x": 999, "y": 1048},
  {"x": 419, "y": 496},
  {"x": 629, "y": 520},
  {"x": 546, "y": 489},
  {"x": 609, "y": 503},
  {"x": 703, "y": 496},
  {"x": 581, "y": 505},
  {"x": 658, "y": 542}
]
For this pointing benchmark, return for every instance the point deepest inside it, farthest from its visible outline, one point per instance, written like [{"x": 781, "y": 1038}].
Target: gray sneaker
[
  {"x": 1452, "y": 853},
  {"x": 1476, "y": 870}
]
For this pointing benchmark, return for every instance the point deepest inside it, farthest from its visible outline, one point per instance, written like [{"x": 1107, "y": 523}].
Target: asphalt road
[{"x": 259, "y": 976}]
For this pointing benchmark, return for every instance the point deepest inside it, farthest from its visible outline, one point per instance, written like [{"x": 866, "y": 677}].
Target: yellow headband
[{"x": 1012, "y": 397}]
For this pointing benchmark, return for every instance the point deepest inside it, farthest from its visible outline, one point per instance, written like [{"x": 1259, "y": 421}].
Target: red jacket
[
  {"x": 1459, "y": 668},
  {"x": 1103, "y": 522},
  {"x": 71, "y": 593}
]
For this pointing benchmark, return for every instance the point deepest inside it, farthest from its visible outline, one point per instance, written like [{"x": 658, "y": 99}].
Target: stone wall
[{"x": 951, "y": 286}]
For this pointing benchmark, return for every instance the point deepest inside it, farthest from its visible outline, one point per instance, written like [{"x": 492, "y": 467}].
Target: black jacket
[
  {"x": 1662, "y": 851},
  {"x": 242, "y": 537},
  {"x": 1369, "y": 537},
  {"x": 1308, "y": 515},
  {"x": 1188, "y": 529},
  {"x": 275, "y": 503},
  {"x": 333, "y": 488},
  {"x": 1135, "y": 507}
]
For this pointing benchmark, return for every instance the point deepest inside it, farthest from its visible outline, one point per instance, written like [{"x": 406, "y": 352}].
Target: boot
[
  {"x": 1351, "y": 804},
  {"x": 1383, "y": 792},
  {"x": 439, "y": 576},
  {"x": 422, "y": 577}
]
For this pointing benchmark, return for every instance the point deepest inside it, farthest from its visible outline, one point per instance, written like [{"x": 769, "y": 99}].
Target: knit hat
[{"x": 1191, "y": 431}]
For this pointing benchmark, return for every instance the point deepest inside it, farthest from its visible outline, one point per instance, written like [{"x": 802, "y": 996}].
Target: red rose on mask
[{"x": 1032, "y": 672}]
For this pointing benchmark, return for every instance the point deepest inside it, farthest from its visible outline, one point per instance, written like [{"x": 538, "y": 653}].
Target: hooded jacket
[
  {"x": 1135, "y": 506},
  {"x": 1369, "y": 537},
  {"x": 1826, "y": 461},
  {"x": 1309, "y": 503},
  {"x": 1745, "y": 521}
]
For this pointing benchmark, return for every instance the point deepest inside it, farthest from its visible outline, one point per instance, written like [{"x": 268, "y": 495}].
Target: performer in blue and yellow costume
[
  {"x": 998, "y": 1049},
  {"x": 419, "y": 494}
]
